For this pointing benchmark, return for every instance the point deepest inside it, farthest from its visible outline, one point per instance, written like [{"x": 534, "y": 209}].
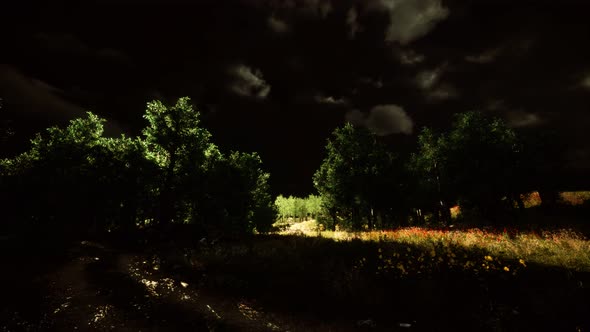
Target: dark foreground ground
[{"x": 264, "y": 283}]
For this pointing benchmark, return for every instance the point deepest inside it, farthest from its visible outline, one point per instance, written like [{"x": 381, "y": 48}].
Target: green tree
[
  {"x": 477, "y": 163},
  {"x": 55, "y": 182},
  {"x": 178, "y": 144},
  {"x": 431, "y": 188},
  {"x": 238, "y": 196},
  {"x": 357, "y": 177}
]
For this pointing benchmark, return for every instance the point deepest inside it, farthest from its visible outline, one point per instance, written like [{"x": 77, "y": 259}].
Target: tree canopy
[{"x": 74, "y": 178}]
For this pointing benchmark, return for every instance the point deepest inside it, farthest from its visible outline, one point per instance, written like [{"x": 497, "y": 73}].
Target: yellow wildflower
[
  {"x": 488, "y": 258},
  {"x": 506, "y": 269},
  {"x": 521, "y": 261}
]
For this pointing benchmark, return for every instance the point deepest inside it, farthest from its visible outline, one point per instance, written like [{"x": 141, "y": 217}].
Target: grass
[
  {"x": 310, "y": 280},
  {"x": 562, "y": 248},
  {"x": 437, "y": 279}
]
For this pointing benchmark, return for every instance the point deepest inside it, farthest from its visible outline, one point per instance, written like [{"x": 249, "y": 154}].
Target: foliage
[
  {"x": 75, "y": 180},
  {"x": 477, "y": 163},
  {"x": 359, "y": 178},
  {"x": 456, "y": 248},
  {"x": 299, "y": 208}
]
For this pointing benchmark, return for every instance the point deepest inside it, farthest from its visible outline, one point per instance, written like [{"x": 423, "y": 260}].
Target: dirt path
[{"x": 104, "y": 289}]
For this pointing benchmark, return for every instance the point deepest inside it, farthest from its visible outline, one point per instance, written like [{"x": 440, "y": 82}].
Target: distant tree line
[
  {"x": 76, "y": 180},
  {"x": 298, "y": 208},
  {"x": 480, "y": 164}
]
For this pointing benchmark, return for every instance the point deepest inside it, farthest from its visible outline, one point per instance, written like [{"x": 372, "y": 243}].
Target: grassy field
[
  {"x": 409, "y": 279},
  {"x": 506, "y": 249}
]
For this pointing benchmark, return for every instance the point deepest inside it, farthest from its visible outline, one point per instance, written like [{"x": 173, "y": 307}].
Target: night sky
[{"x": 278, "y": 76}]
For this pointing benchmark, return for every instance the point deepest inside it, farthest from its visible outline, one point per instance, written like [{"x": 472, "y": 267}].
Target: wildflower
[
  {"x": 521, "y": 261},
  {"x": 488, "y": 258},
  {"x": 506, "y": 269},
  {"x": 379, "y": 250}
]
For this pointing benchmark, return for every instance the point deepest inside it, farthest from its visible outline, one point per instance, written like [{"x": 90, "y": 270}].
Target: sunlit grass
[{"x": 415, "y": 250}]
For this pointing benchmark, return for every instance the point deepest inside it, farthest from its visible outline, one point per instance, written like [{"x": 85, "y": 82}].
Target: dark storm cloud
[
  {"x": 62, "y": 43},
  {"x": 522, "y": 119},
  {"x": 35, "y": 95},
  {"x": 248, "y": 82},
  {"x": 375, "y": 83},
  {"x": 383, "y": 120},
  {"x": 278, "y": 25},
  {"x": 311, "y": 60},
  {"x": 352, "y": 22},
  {"x": 485, "y": 57},
  {"x": 36, "y": 98},
  {"x": 433, "y": 87},
  {"x": 330, "y": 100},
  {"x": 428, "y": 79},
  {"x": 409, "y": 57},
  {"x": 66, "y": 43},
  {"x": 310, "y": 8},
  {"x": 410, "y": 19},
  {"x": 389, "y": 119}
]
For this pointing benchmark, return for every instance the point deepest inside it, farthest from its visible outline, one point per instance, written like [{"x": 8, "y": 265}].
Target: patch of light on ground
[
  {"x": 248, "y": 312},
  {"x": 213, "y": 311},
  {"x": 101, "y": 313}
]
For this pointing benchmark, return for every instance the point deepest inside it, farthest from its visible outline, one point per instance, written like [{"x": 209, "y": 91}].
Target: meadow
[{"x": 456, "y": 278}]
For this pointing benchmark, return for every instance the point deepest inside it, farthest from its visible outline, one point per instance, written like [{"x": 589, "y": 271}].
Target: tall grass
[{"x": 562, "y": 248}]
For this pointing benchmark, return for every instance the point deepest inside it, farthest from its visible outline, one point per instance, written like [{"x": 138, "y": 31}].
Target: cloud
[
  {"x": 42, "y": 100},
  {"x": 34, "y": 95},
  {"x": 378, "y": 84},
  {"x": 389, "y": 119},
  {"x": 352, "y": 22},
  {"x": 428, "y": 79},
  {"x": 485, "y": 57},
  {"x": 69, "y": 44},
  {"x": 410, "y": 57},
  {"x": 443, "y": 91},
  {"x": 355, "y": 117},
  {"x": 321, "y": 99},
  {"x": 45, "y": 86},
  {"x": 314, "y": 8},
  {"x": 277, "y": 25},
  {"x": 63, "y": 43},
  {"x": 496, "y": 105},
  {"x": 429, "y": 82},
  {"x": 383, "y": 120},
  {"x": 320, "y": 8},
  {"x": 522, "y": 119},
  {"x": 248, "y": 82},
  {"x": 411, "y": 19}
]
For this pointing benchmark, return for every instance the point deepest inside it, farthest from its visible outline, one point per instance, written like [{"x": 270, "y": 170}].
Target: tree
[
  {"x": 238, "y": 199},
  {"x": 55, "y": 182},
  {"x": 431, "y": 188},
  {"x": 178, "y": 144},
  {"x": 477, "y": 163},
  {"x": 74, "y": 179},
  {"x": 352, "y": 175}
]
